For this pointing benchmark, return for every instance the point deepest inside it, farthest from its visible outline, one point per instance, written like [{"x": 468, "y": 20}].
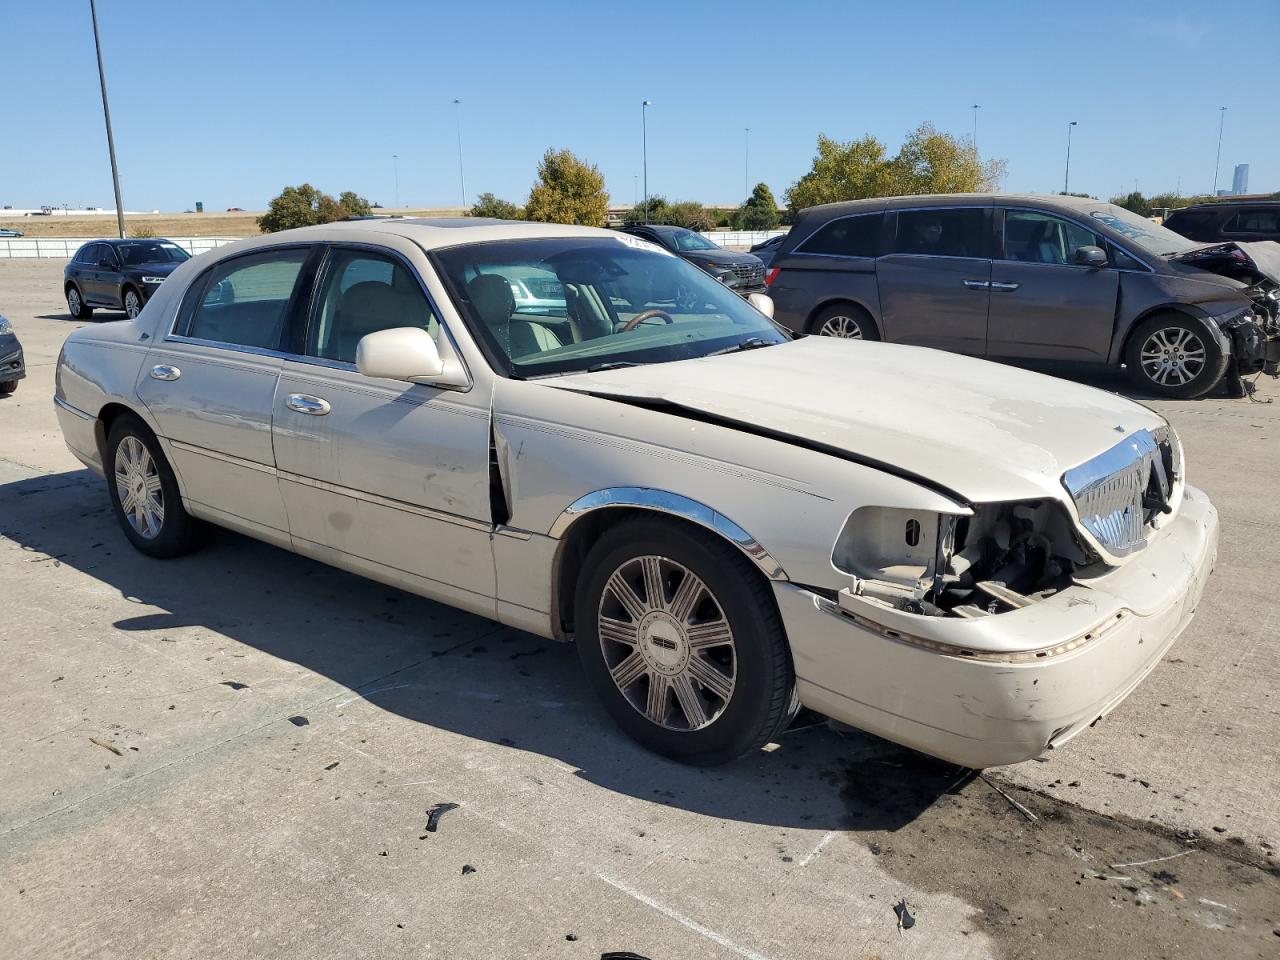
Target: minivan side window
[
  {"x": 363, "y": 293},
  {"x": 1254, "y": 221},
  {"x": 944, "y": 232},
  {"x": 1033, "y": 237},
  {"x": 847, "y": 237},
  {"x": 244, "y": 300}
]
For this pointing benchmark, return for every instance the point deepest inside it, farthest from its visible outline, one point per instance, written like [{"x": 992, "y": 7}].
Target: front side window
[
  {"x": 1254, "y": 221},
  {"x": 847, "y": 237},
  {"x": 1033, "y": 237},
  {"x": 106, "y": 254},
  {"x": 570, "y": 304},
  {"x": 362, "y": 293},
  {"x": 944, "y": 232},
  {"x": 245, "y": 300}
]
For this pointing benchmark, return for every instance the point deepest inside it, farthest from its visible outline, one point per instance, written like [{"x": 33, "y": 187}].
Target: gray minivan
[{"x": 1032, "y": 278}]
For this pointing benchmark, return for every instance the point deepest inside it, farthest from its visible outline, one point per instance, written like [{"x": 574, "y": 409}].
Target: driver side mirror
[
  {"x": 408, "y": 353},
  {"x": 761, "y": 302},
  {"x": 1090, "y": 256}
]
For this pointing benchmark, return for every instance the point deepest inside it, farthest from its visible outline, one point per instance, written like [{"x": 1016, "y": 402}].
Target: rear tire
[
  {"x": 694, "y": 663},
  {"x": 8, "y": 387},
  {"x": 1170, "y": 355},
  {"x": 76, "y": 305},
  {"x": 845, "y": 321},
  {"x": 144, "y": 492}
]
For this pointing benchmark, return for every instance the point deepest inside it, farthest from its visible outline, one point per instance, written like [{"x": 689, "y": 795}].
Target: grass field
[{"x": 168, "y": 224}]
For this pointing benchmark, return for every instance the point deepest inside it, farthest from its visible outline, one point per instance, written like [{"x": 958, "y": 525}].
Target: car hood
[
  {"x": 975, "y": 430},
  {"x": 1246, "y": 262},
  {"x": 161, "y": 268},
  {"x": 725, "y": 257}
]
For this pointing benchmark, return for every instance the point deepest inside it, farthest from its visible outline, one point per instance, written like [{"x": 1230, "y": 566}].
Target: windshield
[
  {"x": 151, "y": 251},
  {"x": 1147, "y": 234},
  {"x": 570, "y": 304},
  {"x": 688, "y": 240}
]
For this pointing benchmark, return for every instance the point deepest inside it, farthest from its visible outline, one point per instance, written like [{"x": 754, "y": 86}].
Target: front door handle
[
  {"x": 165, "y": 372},
  {"x": 303, "y": 403},
  {"x": 977, "y": 284},
  {"x": 1003, "y": 286}
]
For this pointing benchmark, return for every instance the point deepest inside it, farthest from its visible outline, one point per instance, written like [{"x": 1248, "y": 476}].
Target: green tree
[
  {"x": 305, "y": 206},
  {"x": 487, "y": 205},
  {"x": 658, "y": 212},
  {"x": 934, "y": 162},
  {"x": 1134, "y": 202},
  {"x": 691, "y": 215},
  {"x": 759, "y": 211},
  {"x": 842, "y": 171},
  {"x": 568, "y": 190}
]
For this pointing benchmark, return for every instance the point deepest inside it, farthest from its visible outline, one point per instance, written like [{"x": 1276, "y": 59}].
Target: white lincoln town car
[{"x": 573, "y": 432}]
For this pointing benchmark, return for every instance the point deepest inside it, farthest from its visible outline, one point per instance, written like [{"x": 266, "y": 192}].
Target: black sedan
[
  {"x": 118, "y": 274},
  {"x": 743, "y": 272},
  {"x": 12, "y": 366}
]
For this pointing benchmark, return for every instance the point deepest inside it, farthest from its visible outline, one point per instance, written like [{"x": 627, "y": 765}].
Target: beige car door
[{"x": 380, "y": 476}]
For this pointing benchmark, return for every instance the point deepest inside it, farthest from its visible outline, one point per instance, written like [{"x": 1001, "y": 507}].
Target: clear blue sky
[{"x": 228, "y": 101}]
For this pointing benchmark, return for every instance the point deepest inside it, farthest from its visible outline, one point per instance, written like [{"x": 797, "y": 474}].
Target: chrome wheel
[
  {"x": 667, "y": 643},
  {"x": 138, "y": 488},
  {"x": 846, "y": 328},
  {"x": 132, "y": 304},
  {"x": 73, "y": 301},
  {"x": 1173, "y": 356}
]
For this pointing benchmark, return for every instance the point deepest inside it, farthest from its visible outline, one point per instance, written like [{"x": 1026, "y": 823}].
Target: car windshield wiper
[
  {"x": 610, "y": 365},
  {"x": 751, "y": 343}
]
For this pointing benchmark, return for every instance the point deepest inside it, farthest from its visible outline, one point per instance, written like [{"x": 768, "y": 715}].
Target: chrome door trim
[
  {"x": 381, "y": 501},
  {"x": 978, "y": 284},
  {"x": 663, "y": 501},
  {"x": 233, "y": 347},
  {"x": 164, "y": 371},
  {"x": 224, "y": 457},
  {"x": 59, "y": 402},
  {"x": 1003, "y": 286}
]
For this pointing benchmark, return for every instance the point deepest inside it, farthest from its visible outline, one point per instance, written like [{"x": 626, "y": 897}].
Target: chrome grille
[
  {"x": 751, "y": 273},
  {"x": 1119, "y": 493}
]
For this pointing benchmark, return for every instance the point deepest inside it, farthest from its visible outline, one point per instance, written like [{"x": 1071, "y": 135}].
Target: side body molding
[{"x": 662, "y": 501}]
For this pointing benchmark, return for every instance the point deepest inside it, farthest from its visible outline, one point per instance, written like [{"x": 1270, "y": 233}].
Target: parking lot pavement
[{"x": 235, "y": 754}]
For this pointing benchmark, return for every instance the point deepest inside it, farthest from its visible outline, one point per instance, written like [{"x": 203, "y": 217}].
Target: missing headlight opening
[{"x": 1004, "y": 557}]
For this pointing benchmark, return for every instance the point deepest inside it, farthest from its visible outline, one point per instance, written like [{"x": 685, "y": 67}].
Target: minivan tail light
[{"x": 771, "y": 276}]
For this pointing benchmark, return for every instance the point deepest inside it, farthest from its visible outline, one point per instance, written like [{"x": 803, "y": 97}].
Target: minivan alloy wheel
[
  {"x": 1172, "y": 356},
  {"x": 132, "y": 304},
  {"x": 841, "y": 326},
  {"x": 138, "y": 486},
  {"x": 667, "y": 643}
]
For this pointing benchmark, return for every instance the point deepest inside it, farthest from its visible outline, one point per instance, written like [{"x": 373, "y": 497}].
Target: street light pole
[
  {"x": 106, "y": 114},
  {"x": 1222, "y": 118},
  {"x": 976, "y": 106},
  {"x": 395, "y": 160},
  {"x": 1066, "y": 177},
  {"x": 746, "y": 165},
  {"x": 644, "y": 152},
  {"x": 462, "y": 177}
]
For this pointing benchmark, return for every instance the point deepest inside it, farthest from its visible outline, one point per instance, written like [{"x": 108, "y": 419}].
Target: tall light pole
[
  {"x": 106, "y": 114},
  {"x": 1222, "y": 118},
  {"x": 1066, "y": 177},
  {"x": 644, "y": 152},
  {"x": 635, "y": 190},
  {"x": 395, "y": 162},
  {"x": 976, "y": 107},
  {"x": 746, "y": 164},
  {"x": 462, "y": 177}
]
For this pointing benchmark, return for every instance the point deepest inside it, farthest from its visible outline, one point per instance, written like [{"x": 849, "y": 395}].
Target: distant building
[{"x": 1240, "y": 183}]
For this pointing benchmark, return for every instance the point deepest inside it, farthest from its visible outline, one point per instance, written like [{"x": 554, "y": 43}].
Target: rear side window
[
  {"x": 1254, "y": 221},
  {"x": 846, "y": 237},
  {"x": 244, "y": 300},
  {"x": 944, "y": 232}
]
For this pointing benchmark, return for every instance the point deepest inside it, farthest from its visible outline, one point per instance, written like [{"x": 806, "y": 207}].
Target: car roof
[
  {"x": 428, "y": 232},
  {"x": 1227, "y": 205}
]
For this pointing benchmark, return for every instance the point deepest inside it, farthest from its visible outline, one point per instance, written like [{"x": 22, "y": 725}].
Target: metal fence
[
  {"x": 64, "y": 248},
  {"x": 740, "y": 238}
]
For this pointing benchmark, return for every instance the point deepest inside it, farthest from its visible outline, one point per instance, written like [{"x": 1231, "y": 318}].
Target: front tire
[
  {"x": 680, "y": 638},
  {"x": 8, "y": 387},
  {"x": 76, "y": 305},
  {"x": 144, "y": 493},
  {"x": 132, "y": 301},
  {"x": 1172, "y": 356},
  {"x": 845, "y": 321}
]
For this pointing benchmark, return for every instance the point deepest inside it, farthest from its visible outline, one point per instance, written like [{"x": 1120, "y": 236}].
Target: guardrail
[
  {"x": 740, "y": 238},
  {"x": 64, "y": 248}
]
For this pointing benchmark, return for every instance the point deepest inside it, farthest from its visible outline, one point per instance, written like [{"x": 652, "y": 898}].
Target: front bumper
[
  {"x": 1003, "y": 688},
  {"x": 13, "y": 365}
]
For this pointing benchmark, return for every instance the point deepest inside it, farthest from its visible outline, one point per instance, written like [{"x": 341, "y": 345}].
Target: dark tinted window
[
  {"x": 244, "y": 300},
  {"x": 152, "y": 251},
  {"x": 1034, "y": 237},
  {"x": 1189, "y": 220},
  {"x": 847, "y": 237},
  {"x": 363, "y": 293},
  {"x": 945, "y": 232},
  {"x": 1261, "y": 220},
  {"x": 104, "y": 251}
]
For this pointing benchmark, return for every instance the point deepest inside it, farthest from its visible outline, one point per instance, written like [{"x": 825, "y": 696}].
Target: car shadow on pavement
[{"x": 450, "y": 670}]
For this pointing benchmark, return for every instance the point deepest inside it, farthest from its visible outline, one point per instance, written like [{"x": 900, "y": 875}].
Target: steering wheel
[{"x": 640, "y": 318}]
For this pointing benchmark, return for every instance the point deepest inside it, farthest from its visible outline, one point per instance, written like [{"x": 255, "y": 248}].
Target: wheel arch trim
[{"x": 673, "y": 504}]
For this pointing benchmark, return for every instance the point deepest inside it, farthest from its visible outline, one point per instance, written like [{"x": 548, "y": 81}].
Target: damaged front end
[{"x": 1255, "y": 332}]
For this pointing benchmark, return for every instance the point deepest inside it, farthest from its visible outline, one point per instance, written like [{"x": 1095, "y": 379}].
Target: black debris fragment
[
  {"x": 905, "y": 920},
  {"x": 435, "y": 813},
  {"x": 875, "y": 849},
  {"x": 332, "y": 765},
  {"x": 299, "y": 721},
  {"x": 571, "y": 937},
  {"x": 383, "y": 853},
  {"x": 106, "y": 746},
  {"x": 622, "y": 955},
  {"x": 235, "y": 685},
  {"x": 467, "y": 868}
]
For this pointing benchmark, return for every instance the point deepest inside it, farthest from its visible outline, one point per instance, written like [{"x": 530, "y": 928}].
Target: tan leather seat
[{"x": 490, "y": 294}]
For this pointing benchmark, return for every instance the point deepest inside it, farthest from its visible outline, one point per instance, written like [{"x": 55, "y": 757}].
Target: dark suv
[
  {"x": 743, "y": 272},
  {"x": 118, "y": 274},
  {"x": 1216, "y": 222},
  {"x": 1033, "y": 278}
]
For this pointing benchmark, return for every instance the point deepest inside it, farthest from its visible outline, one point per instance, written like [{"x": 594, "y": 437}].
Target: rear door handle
[
  {"x": 303, "y": 403},
  {"x": 977, "y": 284},
  {"x": 1003, "y": 286},
  {"x": 165, "y": 372}
]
